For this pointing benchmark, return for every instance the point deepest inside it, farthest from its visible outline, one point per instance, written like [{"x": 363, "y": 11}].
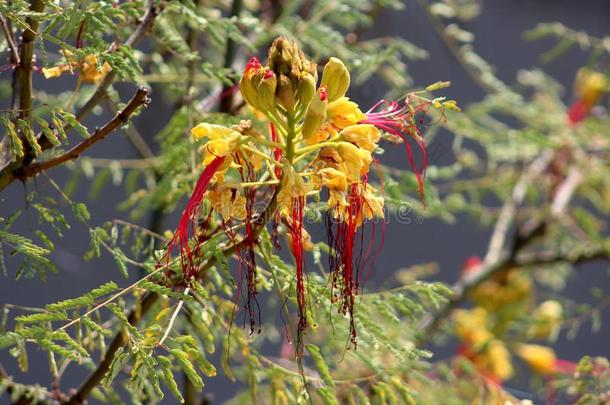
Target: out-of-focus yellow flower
[
  {"x": 343, "y": 113},
  {"x": 54, "y": 71},
  {"x": 228, "y": 203},
  {"x": 540, "y": 358},
  {"x": 89, "y": 69},
  {"x": 590, "y": 85},
  {"x": 355, "y": 162},
  {"x": 546, "y": 320},
  {"x": 365, "y": 136},
  {"x": 497, "y": 360},
  {"x": 504, "y": 289},
  {"x": 471, "y": 326}
]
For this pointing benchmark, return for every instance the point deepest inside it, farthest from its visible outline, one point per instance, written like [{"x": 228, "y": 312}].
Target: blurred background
[{"x": 499, "y": 32}]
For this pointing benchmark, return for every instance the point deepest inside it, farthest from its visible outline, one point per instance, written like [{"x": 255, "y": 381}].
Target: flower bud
[
  {"x": 283, "y": 54},
  {"x": 285, "y": 92},
  {"x": 316, "y": 113},
  {"x": 258, "y": 85},
  {"x": 246, "y": 86},
  {"x": 306, "y": 90},
  {"x": 336, "y": 77}
]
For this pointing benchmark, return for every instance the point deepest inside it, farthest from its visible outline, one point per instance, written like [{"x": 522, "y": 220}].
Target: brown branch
[
  {"x": 24, "y": 69},
  {"x": 139, "y": 99},
  {"x": 148, "y": 300},
  {"x": 8, "y": 168}
]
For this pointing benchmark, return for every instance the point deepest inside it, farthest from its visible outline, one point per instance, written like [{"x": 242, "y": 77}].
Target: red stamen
[
  {"x": 189, "y": 259},
  {"x": 399, "y": 120},
  {"x": 296, "y": 236}
]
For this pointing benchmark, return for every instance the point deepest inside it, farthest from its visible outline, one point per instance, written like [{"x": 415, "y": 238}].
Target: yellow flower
[
  {"x": 365, "y": 136},
  {"x": 336, "y": 182},
  {"x": 590, "y": 85},
  {"x": 546, "y": 319},
  {"x": 54, "y": 71},
  {"x": 292, "y": 186},
  {"x": 356, "y": 161},
  {"x": 228, "y": 203},
  {"x": 471, "y": 326},
  {"x": 325, "y": 132},
  {"x": 499, "y": 360},
  {"x": 343, "y": 113},
  {"x": 222, "y": 141},
  {"x": 89, "y": 69},
  {"x": 540, "y": 358}
]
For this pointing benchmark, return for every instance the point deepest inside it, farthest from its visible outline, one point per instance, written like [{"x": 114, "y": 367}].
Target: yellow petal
[
  {"x": 365, "y": 136},
  {"x": 212, "y": 131},
  {"x": 540, "y": 358}
]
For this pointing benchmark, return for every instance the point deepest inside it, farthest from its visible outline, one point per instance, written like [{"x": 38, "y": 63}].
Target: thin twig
[
  {"x": 10, "y": 40},
  {"x": 507, "y": 215},
  {"x": 173, "y": 318},
  {"x": 139, "y": 99}
]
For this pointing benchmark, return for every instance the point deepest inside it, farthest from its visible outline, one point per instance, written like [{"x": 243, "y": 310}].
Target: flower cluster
[
  {"x": 499, "y": 302},
  {"x": 316, "y": 142}
]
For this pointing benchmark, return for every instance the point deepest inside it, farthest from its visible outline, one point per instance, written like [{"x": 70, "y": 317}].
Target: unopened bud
[
  {"x": 258, "y": 85},
  {"x": 307, "y": 89},
  {"x": 336, "y": 78},
  {"x": 282, "y": 54},
  {"x": 285, "y": 92},
  {"x": 316, "y": 113}
]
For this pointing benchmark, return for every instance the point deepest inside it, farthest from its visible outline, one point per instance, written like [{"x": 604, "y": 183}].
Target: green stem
[{"x": 290, "y": 135}]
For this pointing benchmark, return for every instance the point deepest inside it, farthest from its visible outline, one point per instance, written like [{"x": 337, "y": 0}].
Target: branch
[
  {"x": 552, "y": 257},
  {"x": 226, "y": 95},
  {"x": 8, "y": 168},
  {"x": 498, "y": 259},
  {"x": 139, "y": 99},
  {"x": 10, "y": 40},
  {"x": 148, "y": 300},
  {"x": 23, "y": 72}
]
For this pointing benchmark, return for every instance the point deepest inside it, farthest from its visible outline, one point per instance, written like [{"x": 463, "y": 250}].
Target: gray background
[{"x": 499, "y": 40}]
